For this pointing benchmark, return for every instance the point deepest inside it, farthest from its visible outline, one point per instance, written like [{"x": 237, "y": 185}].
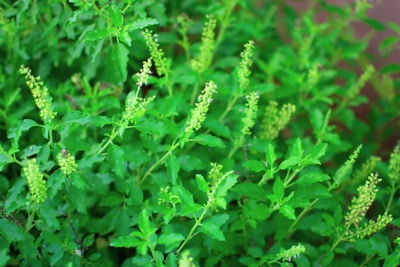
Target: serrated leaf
[
  {"x": 117, "y": 160},
  {"x": 250, "y": 190},
  {"x": 270, "y": 154},
  {"x": 278, "y": 188},
  {"x": 254, "y": 165},
  {"x": 185, "y": 195},
  {"x": 312, "y": 176},
  {"x": 144, "y": 222},
  {"x": 173, "y": 168},
  {"x": 10, "y": 231},
  {"x": 97, "y": 34},
  {"x": 170, "y": 240},
  {"x": 222, "y": 189},
  {"x": 209, "y": 140},
  {"x": 120, "y": 60},
  {"x": 125, "y": 242},
  {"x": 289, "y": 162},
  {"x": 21, "y": 126},
  {"x": 142, "y": 23},
  {"x": 88, "y": 241},
  {"x": 116, "y": 16},
  {"x": 288, "y": 211},
  {"x": 211, "y": 226},
  {"x": 201, "y": 182}
]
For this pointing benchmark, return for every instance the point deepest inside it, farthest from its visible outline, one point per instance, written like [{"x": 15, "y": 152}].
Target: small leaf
[
  {"x": 288, "y": 211},
  {"x": 250, "y": 190},
  {"x": 391, "y": 68},
  {"x": 211, "y": 226},
  {"x": 312, "y": 176},
  {"x": 120, "y": 60},
  {"x": 125, "y": 241},
  {"x": 189, "y": 209},
  {"x": 144, "y": 223},
  {"x": 173, "y": 168},
  {"x": 97, "y": 34},
  {"x": 209, "y": 140},
  {"x": 117, "y": 160},
  {"x": 142, "y": 23},
  {"x": 254, "y": 165},
  {"x": 116, "y": 16},
  {"x": 201, "y": 182},
  {"x": 171, "y": 260},
  {"x": 289, "y": 162},
  {"x": 21, "y": 126},
  {"x": 222, "y": 189},
  {"x": 170, "y": 240},
  {"x": 270, "y": 155},
  {"x": 278, "y": 188},
  {"x": 185, "y": 195},
  {"x": 10, "y": 231},
  {"x": 88, "y": 241}
]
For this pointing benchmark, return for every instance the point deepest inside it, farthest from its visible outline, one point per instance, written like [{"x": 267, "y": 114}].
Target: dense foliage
[{"x": 196, "y": 133}]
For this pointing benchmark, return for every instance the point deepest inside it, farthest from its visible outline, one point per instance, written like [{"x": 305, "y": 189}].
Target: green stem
[
  {"x": 393, "y": 191},
  {"x": 109, "y": 141},
  {"x": 301, "y": 215},
  {"x": 198, "y": 222},
  {"x": 158, "y": 162},
  {"x": 195, "y": 91},
  {"x": 31, "y": 216}
]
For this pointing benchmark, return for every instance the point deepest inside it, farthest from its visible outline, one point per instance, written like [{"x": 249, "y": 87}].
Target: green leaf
[
  {"x": 211, "y": 226},
  {"x": 185, "y": 195},
  {"x": 88, "y": 241},
  {"x": 391, "y": 68},
  {"x": 376, "y": 25},
  {"x": 201, "y": 182},
  {"x": 142, "y": 23},
  {"x": 97, "y": 34},
  {"x": 144, "y": 223},
  {"x": 120, "y": 60},
  {"x": 278, "y": 188},
  {"x": 10, "y": 231},
  {"x": 250, "y": 190},
  {"x": 117, "y": 160},
  {"x": 288, "y": 211},
  {"x": 173, "y": 168},
  {"x": 270, "y": 154},
  {"x": 190, "y": 209},
  {"x": 312, "y": 176},
  {"x": 21, "y": 126},
  {"x": 171, "y": 260},
  {"x": 209, "y": 140},
  {"x": 125, "y": 241},
  {"x": 116, "y": 16},
  {"x": 170, "y": 240},
  {"x": 49, "y": 217},
  {"x": 222, "y": 189},
  {"x": 289, "y": 162},
  {"x": 254, "y": 165}
]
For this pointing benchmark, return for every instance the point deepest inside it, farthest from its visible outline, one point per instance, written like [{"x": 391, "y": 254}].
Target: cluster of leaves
[{"x": 173, "y": 133}]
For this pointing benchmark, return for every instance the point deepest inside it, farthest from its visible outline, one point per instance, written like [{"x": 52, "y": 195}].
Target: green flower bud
[
  {"x": 37, "y": 186},
  {"x": 203, "y": 61},
  {"x": 291, "y": 253},
  {"x": 245, "y": 65},
  {"x": 40, "y": 94},
  {"x": 66, "y": 162},
  {"x": 198, "y": 114},
  {"x": 250, "y": 112},
  {"x": 160, "y": 61},
  {"x": 275, "y": 119}
]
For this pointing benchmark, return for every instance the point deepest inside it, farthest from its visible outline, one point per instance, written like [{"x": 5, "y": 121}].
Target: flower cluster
[
  {"x": 250, "y": 112},
  {"x": 355, "y": 89},
  {"x": 394, "y": 164},
  {"x": 291, "y": 253},
  {"x": 313, "y": 76},
  {"x": 362, "y": 6},
  {"x": 156, "y": 53},
  {"x": 199, "y": 113},
  {"x": 40, "y": 94},
  {"x": 135, "y": 107},
  {"x": 144, "y": 74},
  {"x": 203, "y": 61},
  {"x": 245, "y": 65},
  {"x": 372, "y": 227},
  {"x": 366, "y": 168},
  {"x": 275, "y": 119},
  {"x": 66, "y": 162},
  {"x": 360, "y": 204},
  {"x": 37, "y": 186},
  {"x": 387, "y": 89},
  {"x": 185, "y": 260},
  {"x": 215, "y": 173},
  {"x": 166, "y": 197}
]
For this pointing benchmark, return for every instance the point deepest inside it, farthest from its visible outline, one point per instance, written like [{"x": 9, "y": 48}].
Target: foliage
[{"x": 112, "y": 155}]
